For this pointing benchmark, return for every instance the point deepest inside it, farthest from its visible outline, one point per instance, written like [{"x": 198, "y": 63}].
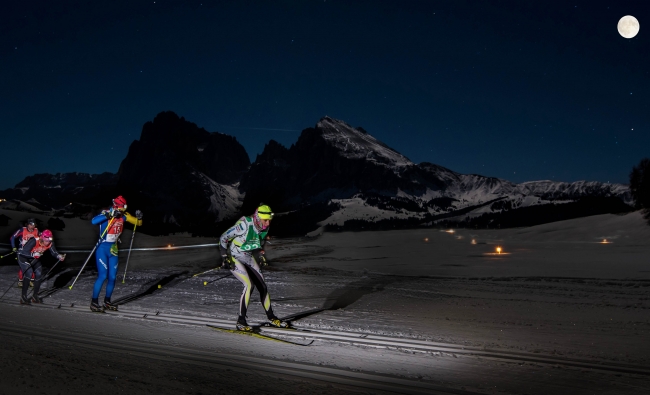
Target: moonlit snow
[{"x": 555, "y": 290}]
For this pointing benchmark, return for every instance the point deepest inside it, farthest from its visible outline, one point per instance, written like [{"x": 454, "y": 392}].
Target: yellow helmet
[{"x": 264, "y": 212}]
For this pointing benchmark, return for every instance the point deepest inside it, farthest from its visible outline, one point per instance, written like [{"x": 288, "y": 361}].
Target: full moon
[{"x": 628, "y": 26}]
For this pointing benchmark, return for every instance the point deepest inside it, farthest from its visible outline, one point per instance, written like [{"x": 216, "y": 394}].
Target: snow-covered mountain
[
  {"x": 335, "y": 175},
  {"x": 56, "y": 192},
  {"x": 341, "y": 176}
]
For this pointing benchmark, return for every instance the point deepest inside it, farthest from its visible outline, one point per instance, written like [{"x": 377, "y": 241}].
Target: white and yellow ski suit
[{"x": 245, "y": 242}]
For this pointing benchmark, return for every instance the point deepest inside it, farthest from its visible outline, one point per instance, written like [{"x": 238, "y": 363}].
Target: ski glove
[
  {"x": 61, "y": 257},
  {"x": 227, "y": 263},
  {"x": 114, "y": 214},
  {"x": 260, "y": 258},
  {"x": 138, "y": 214}
]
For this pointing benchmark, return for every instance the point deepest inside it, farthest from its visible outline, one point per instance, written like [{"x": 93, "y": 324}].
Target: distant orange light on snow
[
  {"x": 605, "y": 241},
  {"x": 169, "y": 246},
  {"x": 450, "y": 231},
  {"x": 426, "y": 239},
  {"x": 473, "y": 241},
  {"x": 498, "y": 251}
]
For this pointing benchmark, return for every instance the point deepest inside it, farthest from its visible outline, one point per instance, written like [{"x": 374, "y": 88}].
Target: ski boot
[
  {"x": 31, "y": 283},
  {"x": 36, "y": 299},
  {"x": 20, "y": 284},
  {"x": 25, "y": 301},
  {"x": 243, "y": 326},
  {"x": 96, "y": 308},
  {"x": 109, "y": 306},
  {"x": 278, "y": 323}
]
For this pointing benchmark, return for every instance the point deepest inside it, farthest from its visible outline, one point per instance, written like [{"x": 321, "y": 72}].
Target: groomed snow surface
[{"x": 558, "y": 311}]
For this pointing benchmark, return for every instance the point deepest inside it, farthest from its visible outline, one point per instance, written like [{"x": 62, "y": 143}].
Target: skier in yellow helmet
[{"x": 245, "y": 242}]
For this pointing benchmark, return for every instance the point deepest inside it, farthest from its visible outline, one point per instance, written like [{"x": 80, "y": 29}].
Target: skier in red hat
[
  {"x": 29, "y": 260},
  {"x": 111, "y": 223}
]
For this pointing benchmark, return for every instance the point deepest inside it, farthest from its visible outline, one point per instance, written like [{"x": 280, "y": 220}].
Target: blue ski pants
[{"x": 106, "y": 270}]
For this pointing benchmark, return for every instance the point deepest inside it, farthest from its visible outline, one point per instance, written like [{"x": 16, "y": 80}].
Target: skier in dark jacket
[
  {"x": 19, "y": 238},
  {"x": 29, "y": 259}
]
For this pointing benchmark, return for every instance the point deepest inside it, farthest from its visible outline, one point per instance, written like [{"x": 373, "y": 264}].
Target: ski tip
[{"x": 205, "y": 283}]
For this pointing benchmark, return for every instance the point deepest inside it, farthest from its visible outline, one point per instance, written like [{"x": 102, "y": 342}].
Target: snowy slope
[{"x": 224, "y": 199}]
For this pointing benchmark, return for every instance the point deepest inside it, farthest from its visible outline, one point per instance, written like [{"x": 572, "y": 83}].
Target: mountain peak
[{"x": 357, "y": 143}]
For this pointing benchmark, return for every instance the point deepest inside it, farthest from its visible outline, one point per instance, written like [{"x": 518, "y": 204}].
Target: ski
[
  {"x": 257, "y": 335},
  {"x": 267, "y": 326},
  {"x": 44, "y": 293}
]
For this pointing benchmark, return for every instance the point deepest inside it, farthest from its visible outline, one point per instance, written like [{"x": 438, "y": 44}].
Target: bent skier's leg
[{"x": 241, "y": 274}]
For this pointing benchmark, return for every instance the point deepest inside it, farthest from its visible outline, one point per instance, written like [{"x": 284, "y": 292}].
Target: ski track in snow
[{"x": 556, "y": 291}]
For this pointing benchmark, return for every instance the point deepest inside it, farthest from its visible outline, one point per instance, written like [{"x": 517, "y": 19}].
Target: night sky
[{"x": 518, "y": 90}]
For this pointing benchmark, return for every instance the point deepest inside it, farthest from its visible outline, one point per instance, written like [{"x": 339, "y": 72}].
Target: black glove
[
  {"x": 227, "y": 263},
  {"x": 138, "y": 214},
  {"x": 260, "y": 258},
  {"x": 112, "y": 214},
  {"x": 262, "y": 261}
]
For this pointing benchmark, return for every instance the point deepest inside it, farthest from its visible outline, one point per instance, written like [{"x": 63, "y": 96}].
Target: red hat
[
  {"x": 46, "y": 235},
  {"x": 119, "y": 202}
]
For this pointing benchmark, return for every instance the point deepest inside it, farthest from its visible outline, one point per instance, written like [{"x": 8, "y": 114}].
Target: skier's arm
[
  {"x": 239, "y": 229},
  {"x": 15, "y": 237},
  {"x": 54, "y": 252},
  {"x": 132, "y": 220},
  {"x": 100, "y": 218},
  {"x": 26, "y": 251}
]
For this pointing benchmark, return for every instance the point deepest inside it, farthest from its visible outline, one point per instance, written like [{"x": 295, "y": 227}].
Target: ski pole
[
  {"x": 129, "y": 256},
  {"x": 52, "y": 268},
  {"x": 205, "y": 283},
  {"x": 207, "y": 271},
  {"x": 12, "y": 252},
  {"x": 44, "y": 278},
  {"x": 12, "y": 284},
  {"x": 84, "y": 265},
  {"x": 92, "y": 252}
]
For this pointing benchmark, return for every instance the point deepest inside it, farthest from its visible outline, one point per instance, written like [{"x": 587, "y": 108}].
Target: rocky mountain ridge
[{"x": 335, "y": 176}]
